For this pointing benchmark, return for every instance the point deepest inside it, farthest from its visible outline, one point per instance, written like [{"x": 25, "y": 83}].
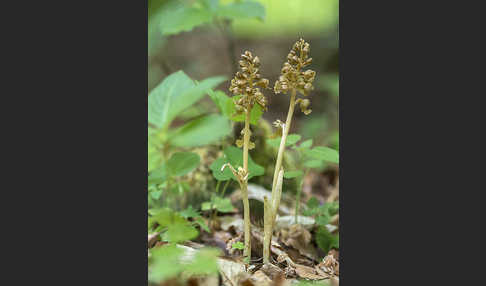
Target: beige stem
[{"x": 244, "y": 188}]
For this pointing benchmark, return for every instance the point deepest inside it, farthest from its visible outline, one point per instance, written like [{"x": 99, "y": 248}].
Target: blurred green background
[{"x": 183, "y": 37}]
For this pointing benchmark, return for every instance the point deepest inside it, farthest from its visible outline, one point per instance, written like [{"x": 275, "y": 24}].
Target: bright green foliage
[
  {"x": 204, "y": 262},
  {"x": 166, "y": 262},
  {"x": 326, "y": 211},
  {"x": 293, "y": 174},
  {"x": 176, "y": 93},
  {"x": 234, "y": 156},
  {"x": 291, "y": 140},
  {"x": 226, "y": 105},
  {"x": 181, "y": 163},
  {"x": 323, "y": 213},
  {"x": 241, "y": 10},
  {"x": 177, "y": 228},
  {"x": 200, "y": 221},
  {"x": 305, "y": 145},
  {"x": 179, "y": 232},
  {"x": 201, "y": 131},
  {"x": 182, "y": 17},
  {"x": 313, "y": 283},
  {"x": 154, "y": 155},
  {"x": 325, "y": 240},
  {"x": 238, "y": 245},
  {"x": 220, "y": 204},
  {"x": 314, "y": 164},
  {"x": 189, "y": 212},
  {"x": 323, "y": 153}
]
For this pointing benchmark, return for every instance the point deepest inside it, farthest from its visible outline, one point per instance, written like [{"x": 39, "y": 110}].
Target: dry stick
[{"x": 246, "y": 203}]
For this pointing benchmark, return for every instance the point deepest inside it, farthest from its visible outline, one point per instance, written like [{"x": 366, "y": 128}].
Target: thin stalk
[
  {"x": 244, "y": 187},
  {"x": 225, "y": 187},
  {"x": 285, "y": 132},
  {"x": 277, "y": 183}
]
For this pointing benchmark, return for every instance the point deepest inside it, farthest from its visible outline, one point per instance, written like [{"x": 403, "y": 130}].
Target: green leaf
[
  {"x": 165, "y": 263},
  {"x": 221, "y": 204},
  {"x": 234, "y": 156},
  {"x": 189, "y": 212},
  {"x": 323, "y": 153},
  {"x": 179, "y": 232},
  {"x": 238, "y": 245},
  {"x": 158, "y": 176},
  {"x": 255, "y": 113},
  {"x": 242, "y": 10},
  {"x": 176, "y": 93},
  {"x": 154, "y": 155},
  {"x": 181, "y": 163},
  {"x": 292, "y": 174},
  {"x": 306, "y": 144},
  {"x": 205, "y": 262},
  {"x": 325, "y": 240},
  {"x": 291, "y": 140},
  {"x": 227, "y": 107},
  {"x": 312, "y": 203},
  {"x": 201, "y": 131},
  {"x": 314, "y": 164},
  {"x": 200, "y": 221},
  {"x": 184, "y": 18}
]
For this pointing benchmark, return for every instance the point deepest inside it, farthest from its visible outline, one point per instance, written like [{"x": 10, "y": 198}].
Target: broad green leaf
[
  {"x": 325, "y": 240},
  {"x": 205, "y": 262},
  {"x": 201, "y": 131},
  {"x": 220, "y": 204},
  {"x": 212, "y": 5},
  {"x": 176, "y": 93},
  {"x": 181, "y": 163},
  {"x": 154, "y": 155},
  {"x": 165, "y": 263},
  {"x": 200, "y": 221},
  {"x": 158, "y": 176},
  {"x": 240, "y": 10},
  {"x": 306, "y": 144},
  {"x": 189, "y": 212},
  {"x": 292, "y": 174},
  {"x": 165, "y": 217},
  {"x": 227, "y": 107},
  {"x": 314, "y": 164},
  {"x": 234, "y": 156},
  {"x": 238, "y": 245},
  {"x": 255, "y": 114},
  {"x": 323, "y": 153},
  {"x": 291, "y": 140},
  {"x": 179, "y": 232},
  {"x": 155, "y": 194},
  {"x": 184, "y": 18},
  {"x": 312, "y": 203}
]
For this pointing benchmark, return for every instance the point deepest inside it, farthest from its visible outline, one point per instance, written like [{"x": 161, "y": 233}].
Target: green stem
[{"x": 224, "y": 187}]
